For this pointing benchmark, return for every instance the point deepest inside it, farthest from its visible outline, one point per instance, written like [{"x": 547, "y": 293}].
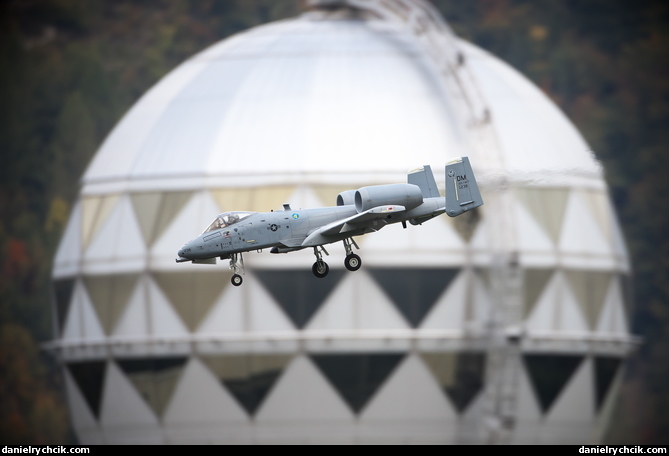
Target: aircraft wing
[{"x": 351, "y": 223}]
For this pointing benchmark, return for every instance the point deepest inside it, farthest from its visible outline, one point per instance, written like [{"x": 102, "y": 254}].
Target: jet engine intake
[
  {"x": 407, "y": 195},
  {"x": 346, "y": 198}
]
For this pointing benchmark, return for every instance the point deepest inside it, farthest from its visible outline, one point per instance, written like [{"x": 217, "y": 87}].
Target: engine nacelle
[
  {"x": 346, "y": 198},
  {"x": 407, "y": 195}
]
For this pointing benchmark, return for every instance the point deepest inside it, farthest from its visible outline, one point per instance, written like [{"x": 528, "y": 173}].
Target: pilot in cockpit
[{"x": 226, "y": 219}]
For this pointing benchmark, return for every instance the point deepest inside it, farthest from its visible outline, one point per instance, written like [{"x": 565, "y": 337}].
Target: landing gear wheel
[
  {"x": 236, "y": 280},
  {"x": 320, "y": 269},
  {"x": 352, "y": 262}
]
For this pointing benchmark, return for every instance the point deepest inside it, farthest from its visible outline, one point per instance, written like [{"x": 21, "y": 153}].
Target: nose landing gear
[{"x": 237, "y": 266}]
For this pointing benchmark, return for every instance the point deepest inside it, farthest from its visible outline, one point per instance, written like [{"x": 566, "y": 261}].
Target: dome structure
[{"x": 521, "y": 304}]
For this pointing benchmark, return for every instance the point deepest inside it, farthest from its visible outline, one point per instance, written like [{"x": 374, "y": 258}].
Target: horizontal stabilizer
[{"x": 462, "y": 191}]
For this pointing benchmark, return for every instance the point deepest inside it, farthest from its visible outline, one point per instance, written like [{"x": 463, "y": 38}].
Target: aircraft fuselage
[
  {"x": 357, "y": 212},
  {"x": 287, "y": 230}
]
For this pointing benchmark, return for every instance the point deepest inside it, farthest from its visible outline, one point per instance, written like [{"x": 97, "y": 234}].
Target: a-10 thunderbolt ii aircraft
[{"x": 358, "y": 212}]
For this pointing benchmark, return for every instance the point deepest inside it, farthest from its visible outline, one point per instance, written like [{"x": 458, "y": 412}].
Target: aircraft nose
[{"x": 183, "y": 251}]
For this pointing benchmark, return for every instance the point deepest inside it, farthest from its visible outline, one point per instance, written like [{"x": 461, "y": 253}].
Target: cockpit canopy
[{"x": 227, "y": 219}]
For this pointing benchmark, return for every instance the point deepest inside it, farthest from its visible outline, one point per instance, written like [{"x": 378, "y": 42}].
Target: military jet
[{"x": 357, "y": 212}]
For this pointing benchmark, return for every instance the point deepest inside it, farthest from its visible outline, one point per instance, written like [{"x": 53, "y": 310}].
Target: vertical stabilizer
[
  {"x": 462, "y": 191},
  {"x": 424, "y": 179}
]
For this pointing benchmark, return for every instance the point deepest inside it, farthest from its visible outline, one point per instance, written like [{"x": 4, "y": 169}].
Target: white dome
[
  {"x": 295, "y": 112},
  {"x": 299, "y": 96},
  {"x": 324, "y": 97}
]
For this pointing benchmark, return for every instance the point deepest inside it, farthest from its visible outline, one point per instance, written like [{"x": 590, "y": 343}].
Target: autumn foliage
[{"x": 70, "y": 69}]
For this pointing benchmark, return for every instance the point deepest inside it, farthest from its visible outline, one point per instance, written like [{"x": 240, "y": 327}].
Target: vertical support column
[
  {"x": 504, "y": 327},
  {"x": 435, "y": 38}
]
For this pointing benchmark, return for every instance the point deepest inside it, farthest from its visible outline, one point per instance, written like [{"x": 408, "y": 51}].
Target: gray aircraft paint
[{"x": 358, "y": 212}]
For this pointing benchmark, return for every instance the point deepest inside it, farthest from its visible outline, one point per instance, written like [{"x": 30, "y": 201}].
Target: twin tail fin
[{"x": 462, "y": 191}]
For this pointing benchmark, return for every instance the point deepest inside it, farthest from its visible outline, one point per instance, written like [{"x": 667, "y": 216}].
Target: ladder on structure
[{"x": 436, "y": 39}]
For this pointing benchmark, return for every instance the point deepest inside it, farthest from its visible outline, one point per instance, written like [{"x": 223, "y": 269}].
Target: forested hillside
[{"x": 69, "y": 69}]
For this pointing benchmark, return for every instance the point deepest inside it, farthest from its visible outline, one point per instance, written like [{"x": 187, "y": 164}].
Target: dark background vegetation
[{"x": 69, "y": 69}]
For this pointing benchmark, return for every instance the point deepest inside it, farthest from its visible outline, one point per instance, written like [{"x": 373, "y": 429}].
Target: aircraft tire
[
  {"x": 236, "y": 280},
  {"x": 320, "y": 270},
  {"x": 352, "y": 262}
]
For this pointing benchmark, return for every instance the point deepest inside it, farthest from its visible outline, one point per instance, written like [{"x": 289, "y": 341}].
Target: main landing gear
[
  {"x": 237, "y": 266},
  {"x": 320, "y": 267},
  {"x": 352, "y": 261}
]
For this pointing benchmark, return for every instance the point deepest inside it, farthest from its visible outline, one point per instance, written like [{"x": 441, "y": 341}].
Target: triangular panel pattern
[
  {"x": 155, "y": 211},
  {"x": 450, "y": 310},
  {"x": 154, "y": 378},
  {"x": 612, "y": 318},
  {"x": 531, "y": 237},
  {"x": 557, "y": 308},
  {"x": 480, "y": 241},
  {"x": 414, "y": 291},
  {"x": 73, "y": 325},
  {"x": 479, "y": 299},
  {"x": 357, "y": 376},
  {"x": 618, "y": 238},
  {"x": 119, "y": 237},
  {"x": 134, "y": 320},
  {"x": 84, "y": 422},
  {"x": 82, "y": 321},
  {"x": 147, "y": 207},
  {"x": 63, "y": 294},
  {"x": 575, "y": 404},
  {"x": 435, "y": 235},
  {"x": 303, "y": 394},
  {"x": 171, "y": 204},
  {"x": 459, "y": 374},
  {"x": 89, "y": 376},
  {"x": 123, "y": 406},
  {"x": 393, "y": 235},
  {"x": 535, "y": 282},
  {"x": 606, "y": 368},
  {"x": 547, "y": 206},
  {"x": 91, "y": 327},
  {"x": 581, "y": 234},
  {"x": 110, "y": 295},
  {"x": 357, "y": 303},
  {"x": 199, "y": 398},
  {"x": 590, "y": 289},
  {"x": 394, "y": 402},
  {"x": 527, "y": 404},
  {"x": 298, "y": 292},
  {"x": 94, "y": 213},
  {"x": 227, "y": 314},
  {"x": 261, "y": 311},
  {"x": 69, "y": 250},
  {"x": 249, "y": 377},
  {"x": 186, "y": 224},
  {"x": 465, "y": 224},
  {"x": 164, "y": 320},
  {"x": 600, "y": 207},
  {"x": 257, "y": 199},
  {"x": 192, "y": 293},
  {"x": 549, "y": 374}
]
